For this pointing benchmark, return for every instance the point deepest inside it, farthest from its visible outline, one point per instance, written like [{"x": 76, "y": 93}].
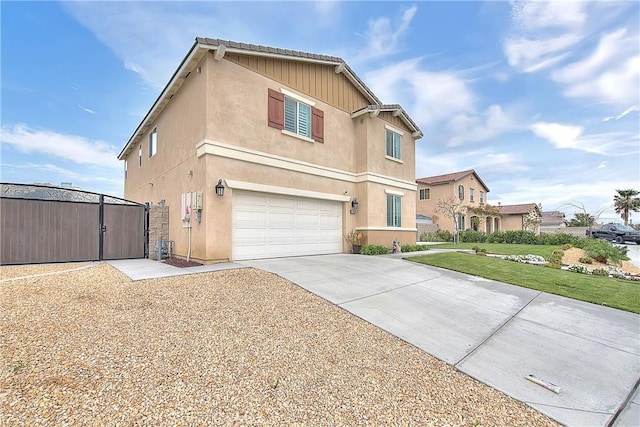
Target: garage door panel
[{"x": 268, "y": 226}]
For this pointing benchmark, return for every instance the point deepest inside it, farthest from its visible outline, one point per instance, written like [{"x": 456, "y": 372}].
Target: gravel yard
[{"x": 232, "y": 347}]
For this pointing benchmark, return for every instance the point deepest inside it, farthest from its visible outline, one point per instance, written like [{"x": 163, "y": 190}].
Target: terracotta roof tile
[{"x": 523, "y": 208}]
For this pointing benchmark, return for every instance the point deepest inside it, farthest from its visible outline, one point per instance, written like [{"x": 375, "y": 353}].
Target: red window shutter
[
  {"x": 317, "y": 125},
  {"x": 276, "y": 109}
]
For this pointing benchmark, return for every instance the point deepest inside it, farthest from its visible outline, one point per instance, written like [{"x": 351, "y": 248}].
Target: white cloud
[
  {"x": 533, "y": 15},
  {"x": 611, "y": 73},
  {"x": 533, "y": 55},
  {"x": 88, "y": 110},
  {"x": 623, "y": 114},
  {"x": 602, "y": 165},
  {"x": 571, "y": 137},
  {"x": 67, "y": 147},
  {"x": 429, "y": 95},
  {"x": 382, "y": 38},
  {"x": 483, "y": 126}
]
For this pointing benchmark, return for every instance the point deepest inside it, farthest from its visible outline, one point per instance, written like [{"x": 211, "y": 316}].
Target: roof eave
[{"x": 168, "y": 91}]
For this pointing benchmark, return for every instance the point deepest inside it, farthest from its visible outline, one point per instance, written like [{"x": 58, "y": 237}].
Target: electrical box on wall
[{"x": 196, "y": 201}]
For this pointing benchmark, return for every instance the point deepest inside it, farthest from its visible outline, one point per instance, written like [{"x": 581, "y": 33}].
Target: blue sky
[{"x": 541, "y": 99}]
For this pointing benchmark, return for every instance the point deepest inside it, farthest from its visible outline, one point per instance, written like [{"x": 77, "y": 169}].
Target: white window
[
  {"x": 140, "y": 156},
  {"x": 153, "y": 142},
  {"x": 297, "y": 117},
  {"x": 460, "y": 192},
  {"x": 471, "y": 194},
  {"x": 425, "y": 193},
  {"x": 125, "y": 168},
  {"x": 482, "y": 197},
  {"x": 394, "y": 210},
  {"x": 394, "y": 141},
  {"x": 460, "y": 221}
]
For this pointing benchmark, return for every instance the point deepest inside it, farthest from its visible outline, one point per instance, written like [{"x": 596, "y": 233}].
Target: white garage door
[{"x": 271, "y": 226}]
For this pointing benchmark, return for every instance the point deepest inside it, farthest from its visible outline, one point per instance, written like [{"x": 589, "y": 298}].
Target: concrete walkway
[
  {"x": 494, "y": 332},
  {"x": 142, "y": 269}
]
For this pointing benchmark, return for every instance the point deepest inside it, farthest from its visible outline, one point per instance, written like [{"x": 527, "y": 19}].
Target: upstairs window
[
  {"x": 394, "y": 142},
  {"x": 482, "y": 197},
  {"x": 153, "y": 142},
  {"x": 471, "y": 194},
  {"x": 460, "y": 192},
  {"x": 425, "y": 193},
  {"x": 125, "y": 168},
  {"x": 140, "y": 156},
  {"x": 290, "y": 113},
  {"x": 297, "y": 117},
  {"x": 394, "y": 210}
]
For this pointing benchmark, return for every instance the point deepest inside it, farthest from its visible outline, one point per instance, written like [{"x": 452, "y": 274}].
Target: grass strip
[
  {"x": 615, "y": 293},
  {"x": 501, "y": 248}
]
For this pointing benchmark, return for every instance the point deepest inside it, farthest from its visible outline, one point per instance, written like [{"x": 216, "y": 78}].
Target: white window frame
[
  {"x": 461, "y": 192},
  {"x": 482, "y": 197},
  {"x": 126, "y": 163},
  {"x": 394, "y": 202},
  {"x": 471, "y": 194},
  {"x": 153, "y": 142},
  {"x": 425, "y": 193},
  {"x": 393, "y": 151},
  {"x": 298, "y": 100},
  {"x": 140, "y": 156}
]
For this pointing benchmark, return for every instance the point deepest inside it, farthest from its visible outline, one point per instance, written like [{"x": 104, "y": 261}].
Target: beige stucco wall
[{"x": 215, "y": 127}]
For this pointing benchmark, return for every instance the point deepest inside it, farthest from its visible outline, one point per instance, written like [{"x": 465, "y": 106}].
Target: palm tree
[{"x": 626, "y": 201}]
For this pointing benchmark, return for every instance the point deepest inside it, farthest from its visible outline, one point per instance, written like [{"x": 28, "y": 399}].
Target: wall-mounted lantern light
[
  {"x": 220, "y": 188},
  {"x": 354, "y": 206}
]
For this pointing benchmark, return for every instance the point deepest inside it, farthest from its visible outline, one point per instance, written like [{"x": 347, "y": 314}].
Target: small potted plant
[{"x": 356, "y": 238}]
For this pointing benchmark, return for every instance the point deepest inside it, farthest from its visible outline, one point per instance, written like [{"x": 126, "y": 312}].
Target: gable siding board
[
  {"x": 276, "y": 109},
  {"x": 315, "y": 80}
]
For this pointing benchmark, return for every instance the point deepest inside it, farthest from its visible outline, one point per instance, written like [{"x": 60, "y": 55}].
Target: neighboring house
[
  {"x": 465, "y": 187},
  {"x": 301, "y": 147},
  {"x": 553, "y": 219},
  {"x": 526, "y": 216}
]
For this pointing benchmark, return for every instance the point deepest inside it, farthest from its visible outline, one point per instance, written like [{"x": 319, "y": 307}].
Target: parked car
[{"x": 617, "y": 233}]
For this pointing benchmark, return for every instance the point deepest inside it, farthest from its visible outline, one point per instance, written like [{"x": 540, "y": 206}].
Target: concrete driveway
[{"x": 494, "y": 332}]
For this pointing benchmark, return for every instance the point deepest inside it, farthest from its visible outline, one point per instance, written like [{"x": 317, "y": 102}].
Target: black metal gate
[{"x": 41, "y": 224}]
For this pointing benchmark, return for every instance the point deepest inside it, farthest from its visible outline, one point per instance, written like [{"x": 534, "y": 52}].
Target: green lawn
[
  {"x": 621, "y": 294},
  {"x": 501, "y": 248}
]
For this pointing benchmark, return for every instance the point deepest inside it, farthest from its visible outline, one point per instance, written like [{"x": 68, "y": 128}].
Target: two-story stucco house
[
  {"x": 262, "y": 152},
  {"x": 464, "y": 187}
]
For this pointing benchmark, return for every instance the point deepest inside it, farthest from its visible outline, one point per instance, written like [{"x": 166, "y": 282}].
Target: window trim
[
  {"x": 126, "y": 163},
  {"x": 153, "y": 142},
  {"x": 471, "y": 194},
  {"x": 395, "y": 197},
  {"x": 396, "y": 156},
  {"x": 140, "y": 156},
  {"x": 461, "y": 192},
  {"x": 427, "y": 192},
  {"x": 482, "y": 197}
]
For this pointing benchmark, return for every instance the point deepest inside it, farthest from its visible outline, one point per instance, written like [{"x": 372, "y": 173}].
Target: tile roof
[
  {"x": 523, "y": 208},
  {"x": 449, "y": 178}
]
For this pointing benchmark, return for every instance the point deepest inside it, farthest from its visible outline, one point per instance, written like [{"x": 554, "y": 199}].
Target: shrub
[
  {"x": 444, "y": 236},
  {"x": 566, "y": 247},
  {"x": 555, "y": 265},
  {"x": 374, "y": 250},
  {"x": 603, "y": 251},
  {"x": 472, "y": 236},
  {"x": 600, "y": 272},
  {"x": 556, "y": 257},
  {"x": 558, "y": 239},
  {"x": 412, "y": 248},
  {"x": 579, "y": 269},
  {"x": 586, "y": 260},
  {"x": 478, "y": 249}
]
